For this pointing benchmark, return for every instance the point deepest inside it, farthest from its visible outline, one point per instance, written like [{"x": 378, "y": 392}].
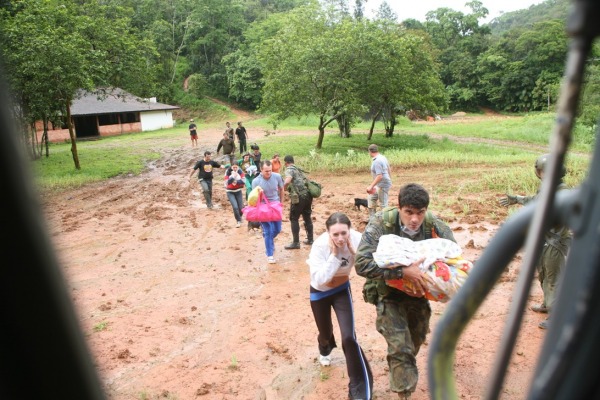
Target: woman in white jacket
[{"x": 331, "y": 260}]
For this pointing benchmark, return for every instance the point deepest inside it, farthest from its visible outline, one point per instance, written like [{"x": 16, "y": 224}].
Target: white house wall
[{"x": 153, "y": 120}]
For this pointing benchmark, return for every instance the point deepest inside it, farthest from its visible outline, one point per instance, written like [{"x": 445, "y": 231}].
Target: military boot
[
  {"x": 295, "y": 235},
  {"x": 309, "y": 233}
]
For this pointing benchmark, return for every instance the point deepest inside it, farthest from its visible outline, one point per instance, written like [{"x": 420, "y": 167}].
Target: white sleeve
[{"x": 323, "y": 264}]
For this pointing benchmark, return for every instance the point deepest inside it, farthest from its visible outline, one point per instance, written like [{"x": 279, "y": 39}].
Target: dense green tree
[
  {"x": 216, "y": 31},
  {"x": 414, "y": 24},
  {"x": 399, "y": 74},
  {"x": 52, "y": 50},
  {"x": 460, "y": 40},
  {"x": 525, "y": 18},
  {"x": 167, "y": 25},
  {"x": 523, "y": 70},
  {"x": 258, "y": 10},
  {"x": 340, "y": 70},
  {"x": 243, "y": 69},
  {"x": 589, "y": 105},
  {"x": 309, "y": 68}
]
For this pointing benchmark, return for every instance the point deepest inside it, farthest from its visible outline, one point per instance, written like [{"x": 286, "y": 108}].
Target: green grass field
[{"x": 413, "y": 145}]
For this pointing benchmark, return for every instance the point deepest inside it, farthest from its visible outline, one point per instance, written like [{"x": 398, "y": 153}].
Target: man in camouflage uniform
[
  {"x": 301, "y": 203},
  {"x": 402, "y": 319},
  {"x": 556, "y": 246}
]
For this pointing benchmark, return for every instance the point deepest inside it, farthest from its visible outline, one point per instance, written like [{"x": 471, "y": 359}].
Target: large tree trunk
[
  {"x": 47, "y": 146},
  {"x": 370, "y": 135},
  {"x": 33, "y": 142},
  {"x": 344, "y": 125},
  {"x": 72, "y": 135},
  {"x": 389, "y": 129},
  {"x": 321, "y": 132},
  {"x": 44, "y": 142}
]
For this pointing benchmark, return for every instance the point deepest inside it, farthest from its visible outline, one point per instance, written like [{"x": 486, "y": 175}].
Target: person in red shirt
[{"x": 234, "y": 185}]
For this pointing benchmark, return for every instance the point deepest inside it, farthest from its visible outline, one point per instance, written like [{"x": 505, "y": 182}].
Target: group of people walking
[{"x": 402, "y": 318}]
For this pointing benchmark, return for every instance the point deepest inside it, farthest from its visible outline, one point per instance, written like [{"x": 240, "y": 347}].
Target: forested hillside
[
  {"x": 549, "y": 9},
  {"x": 286, "y": 57}
]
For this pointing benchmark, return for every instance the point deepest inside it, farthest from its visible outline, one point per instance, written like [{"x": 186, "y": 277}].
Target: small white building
[{"x": 110, "y": 112}]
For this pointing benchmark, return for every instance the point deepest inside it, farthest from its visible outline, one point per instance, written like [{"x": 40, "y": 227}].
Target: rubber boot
[
  {"x": 295, "y": 235},
  {"x": 309, "y": 233}
]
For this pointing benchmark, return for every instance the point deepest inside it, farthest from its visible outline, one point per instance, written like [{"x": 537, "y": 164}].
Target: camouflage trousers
[
  {"x": 404, "y": 324},
  {"x": 551, "y": 264}
]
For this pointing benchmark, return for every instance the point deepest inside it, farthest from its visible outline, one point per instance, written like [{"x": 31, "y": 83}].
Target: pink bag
[{"x": 263, "y": 212}]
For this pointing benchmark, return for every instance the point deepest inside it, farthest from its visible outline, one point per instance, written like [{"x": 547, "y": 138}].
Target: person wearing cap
[
  {"x": 193, "y": 133},
  {"x": 379, "y": 188},
  {"x": 301, "y": 203}
]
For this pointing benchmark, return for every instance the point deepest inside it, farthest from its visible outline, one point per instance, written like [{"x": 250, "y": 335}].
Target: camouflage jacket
[
  {"x": 298, "y": 184},
  {"x": 375, "y": 288},
  {"x": 558, "y": 236}
]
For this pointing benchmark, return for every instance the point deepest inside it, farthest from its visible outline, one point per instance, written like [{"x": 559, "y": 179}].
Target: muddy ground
[{"x": 177, "y": 303}]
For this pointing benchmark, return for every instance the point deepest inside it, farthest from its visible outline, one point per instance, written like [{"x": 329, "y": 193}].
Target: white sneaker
[
  {"x": 271, "y": 260},
  {"x": 325, "y": 360},
  {"x": 238, "y": 224}
]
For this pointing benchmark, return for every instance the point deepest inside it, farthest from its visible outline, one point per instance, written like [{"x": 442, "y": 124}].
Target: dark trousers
[
  {"x": 243, "y": 147},
  {"x": 207, "y": 191},
  {"x": 304, "y": 209},
  {"x": 359, "y": 371},
  {"x": 237, "y": 203}
]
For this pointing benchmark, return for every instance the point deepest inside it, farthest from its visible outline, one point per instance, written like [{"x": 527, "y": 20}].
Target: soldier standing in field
[{"x": 556, "y": 246}]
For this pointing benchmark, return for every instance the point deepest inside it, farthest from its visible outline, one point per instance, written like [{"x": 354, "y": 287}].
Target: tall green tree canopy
[
  {"x": 53, "y": 49},
  {"x": 346, "y": 68},
  {"x": 460, "y": 39},
  {"x": 525, "y": 67}
]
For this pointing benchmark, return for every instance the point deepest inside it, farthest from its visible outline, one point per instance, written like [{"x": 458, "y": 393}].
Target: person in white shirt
[
  {"x": 379, "y": 188},
  {"x": 331, "y": 260}
]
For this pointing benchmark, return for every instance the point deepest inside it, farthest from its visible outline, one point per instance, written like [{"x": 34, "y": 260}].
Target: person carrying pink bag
[{"x": 272, "y": 185}]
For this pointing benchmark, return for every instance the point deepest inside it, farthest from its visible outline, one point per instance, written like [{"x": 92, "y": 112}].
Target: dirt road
[{"x": 177, "y": 303}]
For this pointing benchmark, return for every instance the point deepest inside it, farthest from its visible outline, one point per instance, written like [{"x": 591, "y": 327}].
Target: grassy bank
[{"x": 507, "y": 166}]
